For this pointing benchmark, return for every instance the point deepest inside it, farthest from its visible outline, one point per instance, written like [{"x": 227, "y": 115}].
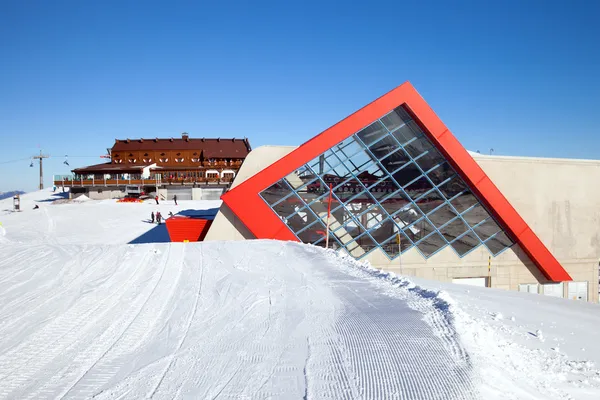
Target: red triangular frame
[{"x": 245, "y": 202}]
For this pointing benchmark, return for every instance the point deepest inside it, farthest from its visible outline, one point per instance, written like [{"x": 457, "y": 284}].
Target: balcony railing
[{"x": 120, "y": 180}]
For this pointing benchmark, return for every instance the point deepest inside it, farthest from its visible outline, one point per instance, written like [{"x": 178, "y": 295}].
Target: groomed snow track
[{"x": 243, "y": 320}]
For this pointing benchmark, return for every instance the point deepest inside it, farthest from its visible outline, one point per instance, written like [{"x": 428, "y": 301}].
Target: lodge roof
[{"x": 210, "y": 147}]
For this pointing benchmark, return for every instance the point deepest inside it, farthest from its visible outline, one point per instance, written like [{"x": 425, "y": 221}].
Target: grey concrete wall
[
  {"x": 226, "y": 225},
  {"x": 105, "y": 194}
]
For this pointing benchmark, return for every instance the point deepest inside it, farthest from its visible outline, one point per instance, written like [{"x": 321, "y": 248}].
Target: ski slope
[{"x": 84, "y": 314}]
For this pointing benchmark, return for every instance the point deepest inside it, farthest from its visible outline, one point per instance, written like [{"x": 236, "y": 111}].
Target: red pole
[{"x": 328, "y": 216}]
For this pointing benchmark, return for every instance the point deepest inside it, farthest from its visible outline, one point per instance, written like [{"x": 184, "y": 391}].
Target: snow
[{"x": 92, "y": 306}]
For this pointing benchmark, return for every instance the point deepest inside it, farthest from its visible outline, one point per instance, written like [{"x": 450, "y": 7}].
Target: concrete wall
[
  {"x": 226, "y": 226},
  {"x": 558, "y": 198},
  {"x": 105, "y": 194}
]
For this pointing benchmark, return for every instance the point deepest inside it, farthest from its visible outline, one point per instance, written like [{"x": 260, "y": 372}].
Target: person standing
[
  {"x": 156, "y": 198},
  {"x": 158, "y": 217},
  {"x": 175, "y": 199},
  {"x": 152, "y": 217}
]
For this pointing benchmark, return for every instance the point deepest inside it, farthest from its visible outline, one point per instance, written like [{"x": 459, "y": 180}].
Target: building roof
[
  {"x": 210, "y": 148},
  {"x": 108, "y": 168}
]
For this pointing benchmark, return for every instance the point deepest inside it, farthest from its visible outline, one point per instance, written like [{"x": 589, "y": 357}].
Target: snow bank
[{"x": 81, "y": 199}]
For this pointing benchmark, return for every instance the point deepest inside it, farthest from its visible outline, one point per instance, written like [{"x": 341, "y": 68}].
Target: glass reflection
[
  {"x": 396, "y": 160},
  {"x": 440, "y": 174},
  {"x": 465, "y": 243},
  {"x": 442, "y": 215},
  {"x": 372, "y": 133},
  {"x": 418, "y": 187},
  {"x": 276, "y": 192},
  {"x": 454, "y": 229},
  {"x": 431, "y": 244},
  {"x": 407, "y": 174},
  {"x": 498, "y": 243},
  {"x": 486, "y": 229}
]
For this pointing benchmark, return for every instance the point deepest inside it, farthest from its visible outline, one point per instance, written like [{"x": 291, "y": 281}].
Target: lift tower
[{"x": 41, "y": 158}]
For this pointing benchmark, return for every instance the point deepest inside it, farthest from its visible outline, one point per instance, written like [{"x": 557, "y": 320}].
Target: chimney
[{"x": 185, "y": 136}]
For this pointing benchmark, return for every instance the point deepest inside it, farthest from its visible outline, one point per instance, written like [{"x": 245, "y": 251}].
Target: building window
[
  {"x": 388, "y": 182},
  {"x": 179, "y": 160}
]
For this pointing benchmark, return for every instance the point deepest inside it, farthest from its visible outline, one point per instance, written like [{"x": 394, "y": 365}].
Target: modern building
[
  {"x": 190, "y": 168},
  {"x": 397, "y": 189}
]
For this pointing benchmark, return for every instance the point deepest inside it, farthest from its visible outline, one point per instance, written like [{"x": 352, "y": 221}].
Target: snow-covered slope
[{"x": 84, "y": 314}]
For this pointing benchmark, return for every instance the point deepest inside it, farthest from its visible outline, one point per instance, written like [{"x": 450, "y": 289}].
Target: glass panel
[
  {"x": 372, "y": 217},
  {"x": 336, "y": 176},
  {"x": 498, "y": 243},
  {"x": 475, "y": 215},
  {"x": 347, "y": 148},
  {"x": 442, "y": 215},
  {"x": 372, "y": 133},
  {"x": 364, "y": 243},
  {"x": 358, "y": 162},
  {"x": 383, "y": 230},
  {"x": 301, "y": 219},
  {"x": 383, "y": 188},
  {"x": 288, "y": 206},
  {"x": 430, "y": 201},
  {"x": 419, "y": 230},
  {"x": 407, "y": 174},
  {"x": 395, "y": 119},
  {"x": 312, "y": 234},
  {"x": 347, "y": 189},
  {"x": 394, "y": 203},
  {"x": 311, "y": 191},
  {"x": 465, "y": 243},
  {"x": 364, "y": 200},
  {"x": 486, "y": 229},
  {"x": 319, "y": 166},
  {"x": 396, "y": 160},
  {"x": 407, "y": 132},
  {"x": 454, "y": 229},
  {"x": 300, "y": 177},
  {"x": 383, "y": 147},
  {"x": 453, "y": 187},
  {"x": 370, "y": 174},
  {"x": 441, "y": 173},
  {"x": 464, "y": 201},
  {"x": 418, "y": 187},
  {"x": 430, "y": 159},
  {"x": 431, "y": 244},
  {"x": 342, "y": 222},
  {"x": 392, "y": 247},
  {"x": 275, "y": 192},
  {"x": 418, "y": 147}
]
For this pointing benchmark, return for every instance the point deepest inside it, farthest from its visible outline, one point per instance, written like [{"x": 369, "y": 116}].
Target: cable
[{"x": 12, "y": 161}]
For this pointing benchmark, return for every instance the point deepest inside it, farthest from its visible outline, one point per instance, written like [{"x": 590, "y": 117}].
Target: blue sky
[{"x": 520, "y": 77}]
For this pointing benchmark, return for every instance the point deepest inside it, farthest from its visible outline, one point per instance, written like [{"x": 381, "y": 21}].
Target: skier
[
  {"x": 158, "y": 217},
  {"x": 152, "y": 217},
  {"x": 156, "y": 198},
  {"x": 175, "y": 199}
]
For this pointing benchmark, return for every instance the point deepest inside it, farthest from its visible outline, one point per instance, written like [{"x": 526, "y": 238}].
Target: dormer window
[
  {"x": 179, "y": 160},
  {"x": 132, "y": 160},
  {"x": 163, "y": 159},
  {"x": 195, "y": 160},
  {"x": 147, "y": 160}
]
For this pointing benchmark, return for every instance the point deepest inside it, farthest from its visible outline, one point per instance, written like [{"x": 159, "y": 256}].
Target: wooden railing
[{"x": 81, "y": 182}]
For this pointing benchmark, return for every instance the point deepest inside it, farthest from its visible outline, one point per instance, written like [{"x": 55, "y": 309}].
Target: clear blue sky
[{"x": 517, "y": 76}]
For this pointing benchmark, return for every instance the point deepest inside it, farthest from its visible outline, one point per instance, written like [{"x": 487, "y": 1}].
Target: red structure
[
  {"x": 245, "y": 202},
  {"x": 187, "y": 229}
]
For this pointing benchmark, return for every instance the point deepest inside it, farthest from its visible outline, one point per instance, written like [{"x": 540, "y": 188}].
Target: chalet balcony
[{"x": 132, "y": 179}]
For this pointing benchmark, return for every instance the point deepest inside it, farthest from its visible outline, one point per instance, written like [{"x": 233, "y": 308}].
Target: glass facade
[{"x": 388, "y": 181}]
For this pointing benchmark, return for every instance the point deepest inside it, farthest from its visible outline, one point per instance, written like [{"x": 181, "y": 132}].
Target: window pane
[
  {"x": 441, "y": 173},
  {"x": 442, "y": 215},
  {"x": 336, "y": 175},
  {"x": 407, "y": 132},
  {"x": 301, "y": 219},
  {"x": 363, "y": 200},
  {"x": 300, "y": 177},
  {"x": 347, "y": 189},
  {"x": 475, "y": 215},
  {"x": 486, "y": 229},
  {"x": 358, "y": 162},
  {"x": 498, "y": 243},
  {"x": 430, "y": 201},
  {"x": 372, "y": 133},
  {"x": 407, "y": 174},
  {"x": 396, "y": 160},
  {"x": 418, "y": 147},
  {"x": 322, "y": 164},
  {"x": 347, "y": 148},
  {"x": 395, "y": 119},
  {"x": 383, "y": 147},
  {"x": 288, "y": 206},
  {"x": 370, "y": 174},
  {"x": 465, "y": 243},
  {"x": 430, "y": 159},
  {"x": 383, "y": 230},
  {"x": 431, "y": 244},
  {"x": 395, "y": 202},
  {"x": 313, "y": 233},
  {"x": 392, "y": 248},
  {"x": 362, "y": 245},
  {"x": 342, "y": 223},
  {"x": 275, "y": 192},
  {"x": 383, "y": 188},
  {"x": 311, "y": 191},
  {"x": 465, "y": 201},
  {"x": 454, "y": 229},
  {"x": 453, "y": 187},
  {"x": 419, "y": 230},
  {"x": 418, "y": 187}
]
